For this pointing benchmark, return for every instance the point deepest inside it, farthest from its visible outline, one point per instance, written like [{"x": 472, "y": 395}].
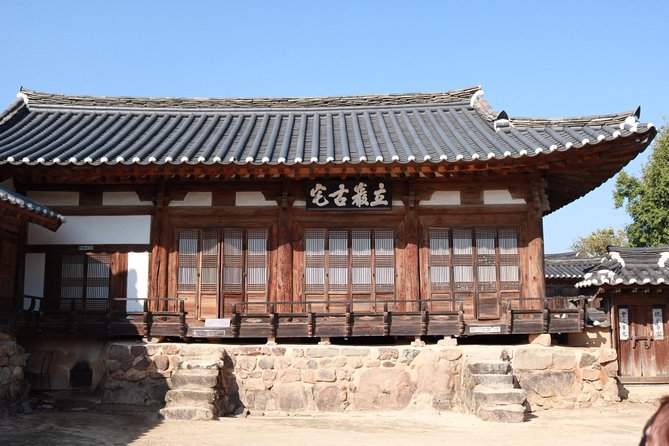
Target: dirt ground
[{"x": 613, "y": 425}]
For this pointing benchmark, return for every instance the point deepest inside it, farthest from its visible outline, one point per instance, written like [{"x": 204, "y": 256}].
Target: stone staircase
[
  {"x": 198, "y": 390},
  {"x": 489, "y": 392}
]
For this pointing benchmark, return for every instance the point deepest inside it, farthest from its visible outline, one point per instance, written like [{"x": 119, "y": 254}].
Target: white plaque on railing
[
  {"x": 623, "y": 323},
  {"x": 658, "y": 323}
]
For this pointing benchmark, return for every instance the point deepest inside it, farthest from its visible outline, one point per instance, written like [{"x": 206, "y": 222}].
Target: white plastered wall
[
  {"x": 122, "y": 199},
  {"x": 252, "y": 198},
  {"x": 500, "y": 196},
  {"x": 138, "y": 280},
  {"x": 443, "y": 198},
  {"x": 95, "y": 230},
  {"x": 194, "y": 199}
]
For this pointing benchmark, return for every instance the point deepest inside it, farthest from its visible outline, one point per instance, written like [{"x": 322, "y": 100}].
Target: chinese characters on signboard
[
  {"x": 369, "y": 194},
  {"x": 623, "y": 324},
  {"x": 658, "y": 323}
]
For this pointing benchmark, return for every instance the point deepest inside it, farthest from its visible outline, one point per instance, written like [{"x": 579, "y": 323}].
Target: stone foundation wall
[
  {"x": 140, "y": 374},
  {"x": 566, "y": 377},
  {"x": 287, "y": 379},
  {"x": 295, "y": 379},
  {"x": 13, "y": 388}
]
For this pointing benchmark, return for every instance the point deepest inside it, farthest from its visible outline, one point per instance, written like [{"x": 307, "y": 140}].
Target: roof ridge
[{"x": 56, "y": 99}]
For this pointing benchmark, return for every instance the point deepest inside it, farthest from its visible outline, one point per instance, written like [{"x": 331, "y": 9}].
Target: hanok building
[
  {"x": 384, "y": 215},
  {"x": 634, "y": 282}
]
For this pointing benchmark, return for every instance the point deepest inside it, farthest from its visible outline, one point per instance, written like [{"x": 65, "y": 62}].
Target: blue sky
[{"x": 533, "y": 58}]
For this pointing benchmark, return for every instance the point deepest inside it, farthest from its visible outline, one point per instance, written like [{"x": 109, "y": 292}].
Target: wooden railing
[
  {"x": 526, "y": 318},
  {"x": 344, "y": 319}
]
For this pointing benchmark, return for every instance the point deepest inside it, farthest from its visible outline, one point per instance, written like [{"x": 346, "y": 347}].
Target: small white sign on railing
[
  {"x": 217, "y": 323},
  {"x": 658, "y": 323},
  {"x": 623, "y": 323}
]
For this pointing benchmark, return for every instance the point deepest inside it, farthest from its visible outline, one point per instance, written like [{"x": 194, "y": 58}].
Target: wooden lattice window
[
  {"x": 478, "y": 266},
  {"x": 219, "y": 266},
  {"x": 341, "y": 262},
  {"x": 85, "y": 282}
]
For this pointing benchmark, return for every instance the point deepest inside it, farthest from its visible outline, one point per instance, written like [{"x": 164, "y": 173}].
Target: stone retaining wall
[
  {"x": 287, "y": 379},
  {"x": 566, "y": 377},
  {"x": 13, "y": 388}
]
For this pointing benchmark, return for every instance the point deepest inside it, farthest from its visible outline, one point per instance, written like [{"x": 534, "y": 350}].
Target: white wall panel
[
  {"x": 501, "y": 196},
  {"x": 138, "y": 279},
  {"x": 443, "y": 198},
  {"x": 194, "y": 199},
  {"x": 122, "y": 199},
  {"x": 95, "y": 230},
  {"x": 252, "y": 198}
]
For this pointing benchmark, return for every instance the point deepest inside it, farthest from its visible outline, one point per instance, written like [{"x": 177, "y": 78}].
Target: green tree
[
  {"x": 646, "y": 199},
  {"x": 595, "y": 243}
]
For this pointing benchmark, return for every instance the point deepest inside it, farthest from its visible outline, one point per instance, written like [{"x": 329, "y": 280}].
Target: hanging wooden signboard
[{"x": 361, "y": 194}]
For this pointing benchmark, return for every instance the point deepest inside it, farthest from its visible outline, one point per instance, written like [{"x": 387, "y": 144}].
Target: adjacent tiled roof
[
  {"x": 455, "y": 126},
  {"x": 567, "y": 265},
  {"x": 630, "y": 266},
  {"x": 30, "y": 208}
]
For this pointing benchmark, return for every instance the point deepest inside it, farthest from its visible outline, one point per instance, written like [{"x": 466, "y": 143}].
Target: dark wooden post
[
  {"x": 284, "y": 261},
  {"x": 411, "y": 237},
  {"x": 159, "y": 249},
  {"x": 536, "y": 281}
]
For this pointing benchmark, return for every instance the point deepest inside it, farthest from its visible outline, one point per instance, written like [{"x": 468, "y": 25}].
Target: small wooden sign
[{"x": 362, "y": 194}]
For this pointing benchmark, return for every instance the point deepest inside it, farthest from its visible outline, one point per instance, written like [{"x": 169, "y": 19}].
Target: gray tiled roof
[
  {"x": 630, "y": 266},
  {"x": 567, "y": 265},
  {"x": 456, "y": 126},
  {"x": 29, "y": 207}
]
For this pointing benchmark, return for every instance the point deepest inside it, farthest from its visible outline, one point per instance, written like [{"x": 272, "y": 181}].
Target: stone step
[
  {"x": 507, "y": 413},
  {"x": 190, "y": 397},
  {"x": 187, "y": 413},
  {"x": 489, "y": 367},
  {"x": 491, "y": 396},
  {"x": 199, "y": 362},
  {"x": 494, "y": 380},
  {"x": 195, "y": 378}
]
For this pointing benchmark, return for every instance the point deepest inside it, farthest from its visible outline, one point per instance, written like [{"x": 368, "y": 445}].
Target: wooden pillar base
[
  {"x": 543, "y": 339},
  {"x": 325, "y": 340},
  {"x": 271, "y": 341}
]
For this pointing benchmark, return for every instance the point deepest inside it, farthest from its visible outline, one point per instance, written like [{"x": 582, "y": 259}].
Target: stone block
[
  {"x": 322, "y": 352},
  {"x": 564, "y": 360},
  {"x": 590, "y": 374},
  {"x": 269, "y": 375},
  {"x": 491, "y": 396},
  {"x": 137, "y": 350},
  {"x": 383, "y": 389},
  {"x": 435, "y": 378},
  {"x": 170, "y": 349},
  {"x": 278, "y": 351},
  {"x": 448, "y": 341},
  {"x": 373, "y": 363},
  {"x": 548, "y": 384},
  {"x": 190, "y": 397},
  {"x": 291, "y": 397},
  {"x": 339, "y": 361},
  {"x": 326, "y": 375},
  {"x": 406, "y": 355},
  {"x": 325, "y": 363},
  {"x": 187, "y": 413},
  {"x": 587, "y": 359},
  {"x": 266, "y": 362},
  {"x": 543, "y": 339},
  {"x": 289, "y": 375},
  {"x": 141, "y": 363},
  {"x": 355, "y": 351},
  {"x": 247, "y": 363},
  {"x": 532, "y": 358},
  {"x": 354, "y": 362},
  {"x": 611, "y": 369},
  {"x": 607, "y": 355},
  {"x": 388, "y": 353},
  {"x": 487, "y": 367},
  {"x": 195, "y": 378},
  {"x": 134, "y": 375},
  {"x": 255, "y": 384},
  {"x": 494, "y": 380},
  {"x": 308, "y": 376},
  {"x": 120, "y": 353},
  {"x": 327, "y": 398},
  {"x": 451, "y": 354},
  {"x": 161, "y": 362},
  {"x": 510, "y": 413}
]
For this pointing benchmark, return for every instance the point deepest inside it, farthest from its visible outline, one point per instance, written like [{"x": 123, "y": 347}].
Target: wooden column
[
  {"x": 536, "y": 280},
  {"x": 411, "y": 238},
  {"x": 158, "y": 268},
  {"x": 284, "y": 258}
]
